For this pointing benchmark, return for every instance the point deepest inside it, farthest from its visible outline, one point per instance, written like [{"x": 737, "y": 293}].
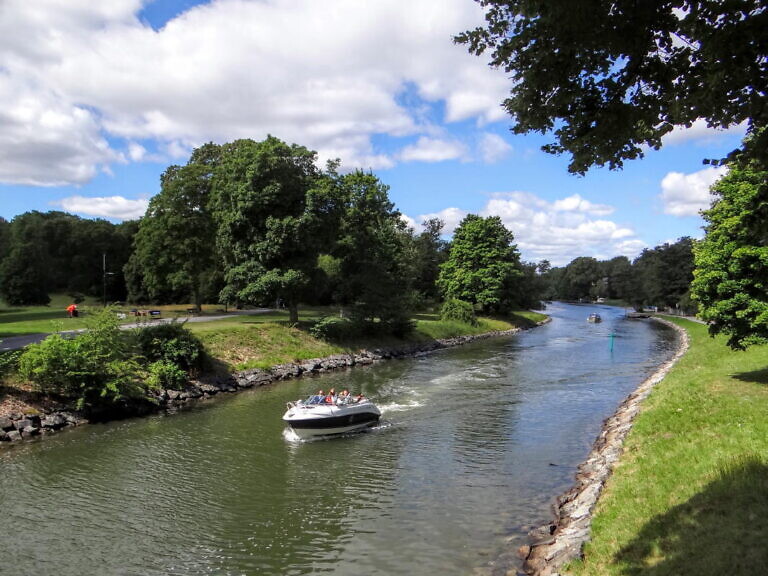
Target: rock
[
  {"x": 209, "y": 388},
  {"x": 173, "y": 394},
  {"x": 23, "y": 423},
  {"x": 15, "y": 416},
  {"x": 13, "y": 435},
  {"x": 54, "y": 421},
  {"x": 30, "y": 431},
  {"x": 3, "y": 436},
  {"x": 6, "y": 423}
]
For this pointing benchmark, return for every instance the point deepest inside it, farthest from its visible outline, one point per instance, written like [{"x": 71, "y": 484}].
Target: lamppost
[{"x": 104, "y": 276}]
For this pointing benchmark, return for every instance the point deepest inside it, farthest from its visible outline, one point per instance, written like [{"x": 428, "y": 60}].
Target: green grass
[
  {"x": 690, "y": 495},
  {"x": 264, "y": 340},
  {"x": 19, "y": 320}
]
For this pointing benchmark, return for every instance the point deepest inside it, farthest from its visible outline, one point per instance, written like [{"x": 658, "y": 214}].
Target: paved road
[{"x": 16, "y": 342}]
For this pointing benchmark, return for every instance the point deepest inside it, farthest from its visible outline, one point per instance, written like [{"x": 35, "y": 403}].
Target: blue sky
[{"x": 99, "y": 98}]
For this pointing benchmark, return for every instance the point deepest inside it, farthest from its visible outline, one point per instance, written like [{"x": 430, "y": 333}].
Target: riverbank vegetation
[{"x": 690, "y": 495}]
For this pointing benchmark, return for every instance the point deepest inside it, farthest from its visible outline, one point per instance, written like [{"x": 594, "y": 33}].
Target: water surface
[{"x": 475, "y": 444}]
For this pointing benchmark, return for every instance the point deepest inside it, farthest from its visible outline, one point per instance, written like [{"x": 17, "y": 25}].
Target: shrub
[
  {"x": 458, "y": 310},
  {"x": 172, "y": 344},
  {"x": 334, "y": 328},
  {"x": 9, "y": 361},
  {"x": 98, "y": 368},
  {"x": 164, "y": 375}
]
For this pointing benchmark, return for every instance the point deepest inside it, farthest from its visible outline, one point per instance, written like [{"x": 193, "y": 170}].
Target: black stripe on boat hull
[{"x": 335, "y": 421}]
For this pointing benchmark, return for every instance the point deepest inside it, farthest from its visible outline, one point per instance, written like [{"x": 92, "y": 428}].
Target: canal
[{"x": 475, "y": 444}]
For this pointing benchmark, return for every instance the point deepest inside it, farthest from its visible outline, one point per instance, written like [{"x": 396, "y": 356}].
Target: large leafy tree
[
  {"x": 731, "y": 276},
  {"x": 579, "y": 278},
  {"x": 483, "y": 265},
  {"x": 430, "y": 251},
  {"x": 373, "y": 254},
  {"x": 265, "y": 220},
  {"x": 174, "y": 248},
  {"x": 611, "y": 78}
]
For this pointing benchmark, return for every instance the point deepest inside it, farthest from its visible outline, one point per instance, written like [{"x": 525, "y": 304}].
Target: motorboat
[
  {"x": 316, "y": 416},
  {"x": 594, "y": 318}
]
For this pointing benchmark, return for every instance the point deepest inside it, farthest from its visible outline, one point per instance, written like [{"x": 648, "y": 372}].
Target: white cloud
[
  {"x": 558, "y": 231},
  {"x": 700, "y": 131},
  {"x": 328, "y": 75},
  {"x": 576, "y": 203},
  {"x": 429, "y": 149},
  {"x": 451, "y": 218},
  {"x": 688, "y": 194},
  {"x": 493, "y": 148},
  {"x": 115, "y": 207}
]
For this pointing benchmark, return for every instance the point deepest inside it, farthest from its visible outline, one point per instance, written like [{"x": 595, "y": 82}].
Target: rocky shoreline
[
  {"x": 562, "y": 540},
  {"x": 23, "y": 424}
]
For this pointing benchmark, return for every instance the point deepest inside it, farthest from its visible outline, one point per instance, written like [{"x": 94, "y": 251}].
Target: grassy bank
[
  {"x": 690, "y": 495},
  {"x": 265, "y": 340}
]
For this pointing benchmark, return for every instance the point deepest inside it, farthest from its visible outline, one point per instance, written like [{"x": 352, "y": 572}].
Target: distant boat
[{"x": 594, "y": 318}]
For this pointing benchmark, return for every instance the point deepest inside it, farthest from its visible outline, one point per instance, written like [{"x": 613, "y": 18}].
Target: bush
[
  {"x": 171, "y": 344},
  {"x": 458, "y": 310},
  {"x": 98, "y": 368},
  {"x": 334, "y": 328},
  {"x": 164, "y": 375},
  {"x": 9, "y": 361}
]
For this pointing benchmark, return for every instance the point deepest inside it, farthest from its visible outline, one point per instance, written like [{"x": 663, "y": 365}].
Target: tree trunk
[{"x": 293, "y": 312}]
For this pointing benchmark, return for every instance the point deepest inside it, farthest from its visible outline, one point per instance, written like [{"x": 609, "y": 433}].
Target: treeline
[
  {"x": 258, "y": 223},
  {"x": 660, "y": 276},
  {"x": 54, "y": 252}
]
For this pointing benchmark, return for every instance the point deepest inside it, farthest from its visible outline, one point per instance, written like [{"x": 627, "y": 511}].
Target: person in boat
[
  {"x": 343, "y": 397},
  {"x": 331, "y": 398},
  {"x": 359, "y": 398}
]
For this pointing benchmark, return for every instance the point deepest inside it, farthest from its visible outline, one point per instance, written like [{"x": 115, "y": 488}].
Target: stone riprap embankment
[
  {"x": 561, "y": 541},
  {"x": 18, "y": 426}
]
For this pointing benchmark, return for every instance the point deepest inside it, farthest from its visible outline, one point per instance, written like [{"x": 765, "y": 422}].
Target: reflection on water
[{"x": 473, "y": 446}]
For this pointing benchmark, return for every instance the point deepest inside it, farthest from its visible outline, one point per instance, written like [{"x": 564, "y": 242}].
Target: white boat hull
[{"x": 309, "y": 420}]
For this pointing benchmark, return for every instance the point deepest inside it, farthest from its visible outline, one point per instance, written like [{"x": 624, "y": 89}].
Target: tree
[
  {"x": 174, "y": 251},
  {"x": 22, "y": 283},
  {"x": 663, "y": 274},
  {"x": 483, "y": 265},
  {"x": 429, "y": 253},
  {"x": 731, "y": 276},
  {"x": 578, "y": 278},
  {"x": 372, "y": 250},
  {"x": 264, "y": 216},
  {"x": 610, "y": 78}
]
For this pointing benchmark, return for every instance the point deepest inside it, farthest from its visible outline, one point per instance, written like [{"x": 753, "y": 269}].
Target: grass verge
[
  {"x": 265, "y": 340},
  {"x": 690, "y": 494}
]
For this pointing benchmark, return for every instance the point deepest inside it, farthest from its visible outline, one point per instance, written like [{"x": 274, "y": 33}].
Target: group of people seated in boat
[{"x": 340, "y": 399}]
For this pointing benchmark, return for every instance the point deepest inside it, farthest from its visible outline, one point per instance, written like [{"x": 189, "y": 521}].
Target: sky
[{"x": 99, "y": 98}]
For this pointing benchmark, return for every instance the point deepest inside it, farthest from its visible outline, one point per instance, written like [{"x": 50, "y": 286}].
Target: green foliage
[
  {"x": 174, "y": 254},
  {"x": 22, "y": 279},
  {"x": 171, "y": 344},
  {"x": 372, "y": 249},
  {"x": 58, "y": 252},
  {"x": 483, "y": 265},
  {"x": 166, "y": 375},
  {"x": 334, "y": 328},
  {"x": 609, "y": 79},
  {"x": 96, "y": 368},
  {"x": 454, "y": 309},
  {"x": 266, "y": 219},
  {"x": 9, "y": 362},
  {"x": 731, "y": 276},
  {"x": 430, "y": 251}
]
